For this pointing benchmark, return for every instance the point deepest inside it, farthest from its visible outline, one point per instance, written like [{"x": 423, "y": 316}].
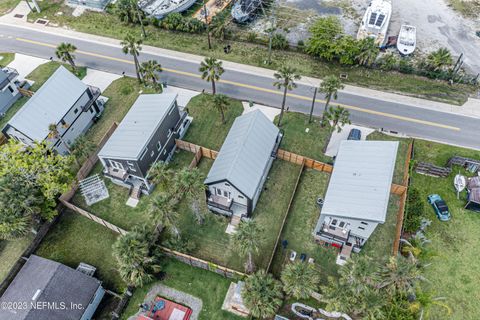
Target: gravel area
[{"x": 194, "y": 303}]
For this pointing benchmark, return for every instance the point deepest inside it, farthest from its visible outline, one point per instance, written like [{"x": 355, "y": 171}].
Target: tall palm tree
[
  {"x": 162, "y": 211},
  {"x": 133, "y": 46},
  {"x": 211, "y": 70},
  {"x": 150, "y": 70},
  {"x": 125, "y": 10},
  {"x": 285, "y": 77},
  {"x": 338, "y": 117},
  {"x": 262, "y": 294},
  {"x": 136, "y": 264},
  {"x": 82, "y": 148},
  {"x": 220, "y": 102},
  {"x": 219, "y": 25},
  {"x": 246, "y": 241},
  {"x": 368, "y": 52},
  {"x": 53, "y": 133},
  {"x": 161, "y": 174},
  {"x": 65, "y": 52},
  {"x": 329, "y": 86},
  {"x": 399, "y": 276},
  {"x": 300, "y": 280},
  {"x": 439, "y": 59},
  {"x": 190, "y": 184}
]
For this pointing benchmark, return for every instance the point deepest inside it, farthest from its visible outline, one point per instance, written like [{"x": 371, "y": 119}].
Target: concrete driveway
[
  {"x": 25, "y": 64},
  {"x": 337, "y": 137}
]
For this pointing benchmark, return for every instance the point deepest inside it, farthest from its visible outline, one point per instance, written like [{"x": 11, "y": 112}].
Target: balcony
[
  {"x": 117, "y": 173},
  {"x": 11, "y": 75},
  {"x": 220, "y": 202},
  {"x": 94, "y": 93},
  {"x": 334, "y": 232}
]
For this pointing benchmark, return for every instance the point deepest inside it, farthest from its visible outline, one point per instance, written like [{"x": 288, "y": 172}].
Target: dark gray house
[
  {"x": 63, "y": 100},
  {"x": 236, "y": 178},
  {"x": 48, "y": 290},
  {"x": 9, "y": 85},
  {"x": 146, "y": 135}
]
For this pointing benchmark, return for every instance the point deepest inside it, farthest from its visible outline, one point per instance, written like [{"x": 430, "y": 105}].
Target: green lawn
[
  {"x": 207, "y": 129},
  {"x": 301, "y": 222},
  {"x": 309, "y": 144},
  {"x": 10, "y": 251},
  {"x": 210, "y": 287},
  {"x": 122, "y": 93},
  {"x": 106, "y": 24},
  {"x": 453, "y": 272},
  {"x": 76, "y": 239},
  {"x": 7, "y": 5},
  {"x": 6, "y": 57}
]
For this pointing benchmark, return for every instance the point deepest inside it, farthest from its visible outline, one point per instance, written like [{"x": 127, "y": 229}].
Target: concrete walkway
[
  {"x": 270, "y": 112},
  {"x": 180, "y": 297}
]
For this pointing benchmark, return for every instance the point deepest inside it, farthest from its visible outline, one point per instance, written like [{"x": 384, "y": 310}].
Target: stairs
[
  {"x": 235, "y": 220},
  {"x": 135, "y": 192}
]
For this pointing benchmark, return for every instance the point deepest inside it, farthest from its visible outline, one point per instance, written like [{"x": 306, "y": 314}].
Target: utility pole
[
  {"x": 313, "y": 104},
  {"x": 271, "y": 30},
  {"x": 140, "y": 20},
  {"x": 29, "y": 6},
  {"x": 208, "y": 25},
  {"x": 36, "y": 5}
]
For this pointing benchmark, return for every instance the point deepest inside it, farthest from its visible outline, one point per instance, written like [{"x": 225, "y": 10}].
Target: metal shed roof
[
  {"x": 49, "y": 104},
  {"x": 245, "y": 153},
  {"x": 360, "y": 184},
  {"x": 138, "y": 126},
  {"x": 48, "y": 281}
]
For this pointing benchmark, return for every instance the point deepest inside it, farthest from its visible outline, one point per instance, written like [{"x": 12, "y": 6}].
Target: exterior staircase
[
  {"x": 135, "y": 192},
  {"x": 235, "y": 220}
]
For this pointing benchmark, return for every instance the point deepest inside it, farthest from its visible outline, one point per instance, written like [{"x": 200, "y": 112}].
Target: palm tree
[
  {"x": 286, "y": 77},
  {"x": 246, "y": 241},
  {"x": 300, "y": 280},
  {"x": 439, "y": 59},
  {"x": 368, "y": 52},
  {"x": 135, "y": 262},
  {"x": 211, "y": 70},
  {"x": 220, "y": 102},
  {"x": 150, "y": 70},
  {"x": 190, "y": 184},
  {"x": 262, "y": 294},
  {"x": 133, "y": 46},
  {"x": 125, "y": 10},
  {"x": 54, "y": 134},
  {"x": 329, "y": 86},
  {"x": 399, "y": 276},
  {"x": 338, "y": 117},
  {"x": 82, "y": 148},
  {"x": 65, "y": 52},
  {"x": 219, "y": 25},
  {"x": 162, "y": 211},
  {"x": 161, "y": 173}
]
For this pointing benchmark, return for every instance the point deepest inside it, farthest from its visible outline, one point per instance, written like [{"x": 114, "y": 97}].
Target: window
[
  {"x": 152, "y": 153},
  {"x": 143, "y": 153},
  {"x": 159, "y": 146},
  {"x": 227, "y": 184},
  {"x": 91, "y": 109},
  {"x": 10, "y": 89},
  {"x": 342, "y": 224},
  {"x": 219, "y": 192},
  {"x": 334, "y": 222},
  {"x": 241, "y": 197},
  {"x": 75, "y": 111},
  {"x": 116, "y": 164}
]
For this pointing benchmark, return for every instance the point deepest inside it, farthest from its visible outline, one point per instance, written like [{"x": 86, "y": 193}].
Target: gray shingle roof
[
  {"x": 56, "y": 282},
  {"x": 360, "y": 184},
  {"x": 138, "y": 126},
  {"x": 49, "y": 104},
  {"x": 245, "y": 153}
]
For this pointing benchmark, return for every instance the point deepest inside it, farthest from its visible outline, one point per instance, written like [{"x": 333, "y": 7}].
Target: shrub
[
  {"x": 415, "y": 210},
  {"x": 324, "y": 32},
  {"x": 279, "y": 41},
  {"x": 300, "y": 45},
  {"x": 405, "y": 66},
  {"x": 252, "y": 37}
]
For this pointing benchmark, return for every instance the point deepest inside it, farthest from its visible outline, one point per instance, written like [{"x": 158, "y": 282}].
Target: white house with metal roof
[
  {"x": 358, "y": 193},
  {"x": 236, "y": 178},
  {"x": 63, "y": 100},
  {"x": 146, "y": 135}
]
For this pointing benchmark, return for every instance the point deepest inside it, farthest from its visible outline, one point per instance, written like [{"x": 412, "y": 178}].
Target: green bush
[
  {"x": 279, "y": 41},
  {"x": 415, "y": 210}
]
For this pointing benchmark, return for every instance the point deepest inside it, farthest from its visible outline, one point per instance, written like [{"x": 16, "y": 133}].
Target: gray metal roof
[
  {"x": 48, "y": 105},
  {"x": 245, "y": 153},
  {"x": 49, "y": 281},
  {"x": 360, "y": 184},
  {"x": 3, "y": 76},
  {"x": 137, "y": 127}
]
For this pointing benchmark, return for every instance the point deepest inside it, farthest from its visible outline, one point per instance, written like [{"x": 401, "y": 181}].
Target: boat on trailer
[
  {"x": 375, "y": 22},
  {"x": 244, "y": 10},
  {"x": 161, "y": 8},
  {"x": 407, "y": 39}
]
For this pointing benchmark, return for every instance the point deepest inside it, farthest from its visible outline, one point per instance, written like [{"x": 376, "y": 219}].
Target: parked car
[
  {"x": 355, "y": 134},
  {"x": 440, "y": 207}
]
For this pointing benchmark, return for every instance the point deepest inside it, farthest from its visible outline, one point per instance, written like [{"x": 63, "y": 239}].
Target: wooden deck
[{"x": 171, "y": 311}]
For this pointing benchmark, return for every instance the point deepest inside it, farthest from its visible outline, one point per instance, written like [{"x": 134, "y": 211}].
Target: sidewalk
[{"x": 470, "y": 109}]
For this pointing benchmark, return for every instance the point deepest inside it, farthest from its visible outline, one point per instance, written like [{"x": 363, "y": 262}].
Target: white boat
[
  {"x": 161, "y": 8},
  {"x": 375, "y": 22},
  {"x": 460, "y": 183},
  {"x": 407, "y": 39}
]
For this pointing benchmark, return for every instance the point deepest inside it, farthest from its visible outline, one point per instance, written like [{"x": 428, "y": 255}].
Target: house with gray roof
[
  {"x": 63, "y": 100},
  {"x": 9, "y": 85},
  {"x": 358, "y": 193},
  {"x": 146, "y": 135},
  {"x": 236, "y": 178},
  {"x": 47, "y": 290}
]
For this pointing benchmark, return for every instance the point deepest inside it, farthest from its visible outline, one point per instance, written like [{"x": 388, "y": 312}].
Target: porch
[
  {"x": 220, "y": 202},
  {"x": 116, "y": 173}
]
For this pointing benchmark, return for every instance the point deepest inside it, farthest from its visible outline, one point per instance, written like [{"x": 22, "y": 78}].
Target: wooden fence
[{"x": 301, "y": 160}]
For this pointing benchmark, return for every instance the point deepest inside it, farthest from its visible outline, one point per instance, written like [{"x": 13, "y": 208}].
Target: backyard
[{"x": 454, "y": 268}]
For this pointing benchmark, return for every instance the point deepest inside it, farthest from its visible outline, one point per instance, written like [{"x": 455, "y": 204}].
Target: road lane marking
[{"x": 256, "y": 88}]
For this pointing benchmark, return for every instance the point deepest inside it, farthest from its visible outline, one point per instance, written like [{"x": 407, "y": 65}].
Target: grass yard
[
  {"x": 6, "y": 57},
  {"x": 453, "y": 272},
  {"x": 44, "y": 71},
  {"x": 301, "y": 222},
  {"x": 7, "y": 6},
  {"x": 107, "y": 24},
  {"x": 122, "y": 93},
  {"x": 203, "y": 284},
  {"x": 76, "y": 239},
  {"x": 298, "y": 141},
  {"x": 207, "y": 129},
  {"x": 10, "y": 251}
]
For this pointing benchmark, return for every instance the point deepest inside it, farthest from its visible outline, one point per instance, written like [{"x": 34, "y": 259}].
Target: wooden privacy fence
[
  {"x": 301, "y": 160},
  {"x": 191, "y": 147}
]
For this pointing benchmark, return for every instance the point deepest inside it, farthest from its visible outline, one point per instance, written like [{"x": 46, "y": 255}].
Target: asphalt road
[{"x": 413, "y": 121}]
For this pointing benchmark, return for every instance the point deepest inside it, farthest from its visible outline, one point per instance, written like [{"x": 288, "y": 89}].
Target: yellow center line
[{"x": 252, "y": 87}]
